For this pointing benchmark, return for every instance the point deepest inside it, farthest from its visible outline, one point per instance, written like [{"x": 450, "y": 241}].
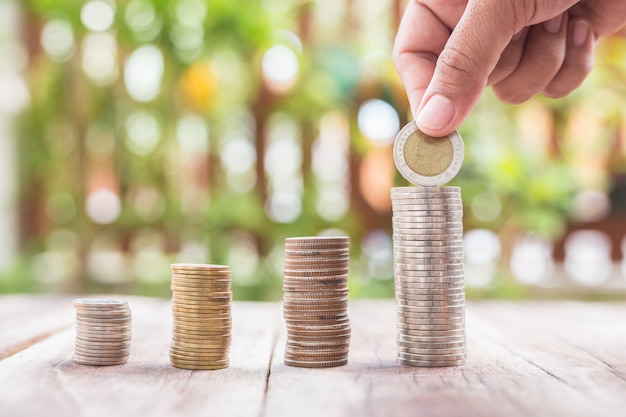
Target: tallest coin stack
[
  {"x": 428, "y": 266},
  {"x": 428, "y": 250}
]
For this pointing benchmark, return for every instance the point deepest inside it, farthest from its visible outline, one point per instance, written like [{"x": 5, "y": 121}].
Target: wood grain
[
  {"x": 25, "y": 320},
  {"x": 524, "y": 359},
  {"x": 147, "y": 385}
]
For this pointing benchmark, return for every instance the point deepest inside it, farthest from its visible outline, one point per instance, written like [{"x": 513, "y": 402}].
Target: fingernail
[
  {"x": 553, "y": 25},
  {"x": 436, "y": 114},
  {"x": 579, "y": 33}
]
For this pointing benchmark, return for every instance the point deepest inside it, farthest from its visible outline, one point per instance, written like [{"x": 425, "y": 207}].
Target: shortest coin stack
[
  {"x": 202, "y": 321},
  {"x": 316, "y": 301},
  {"x": 103, "y": 331}
]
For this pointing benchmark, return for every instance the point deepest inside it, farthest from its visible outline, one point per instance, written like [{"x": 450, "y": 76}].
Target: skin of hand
[{"x": 448, "y": 51}]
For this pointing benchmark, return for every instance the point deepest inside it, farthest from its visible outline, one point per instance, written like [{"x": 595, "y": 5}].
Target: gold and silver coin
[
  {"x": 315, "y": 306},
  {"x": 429, "y": 280},
  {"x": 103, "y": 331},
  {"x": 426, "y": 160},
  {"x": 201, "y": 313}
]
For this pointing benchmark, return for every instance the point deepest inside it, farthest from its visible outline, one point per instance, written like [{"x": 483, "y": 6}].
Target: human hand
[{"x": 448, "y": 51}]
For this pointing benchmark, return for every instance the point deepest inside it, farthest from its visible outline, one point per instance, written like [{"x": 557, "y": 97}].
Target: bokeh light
[
  {"x": 143, "y": 72},
  {"x": 143, "y": 132},
  {"x": 378, "y": 121},
  {"x": 141, "y": 17},
  {"x": 100, "y": 58},
  {"x": 588, "y": 257},
  {"x": 482, "y": 253},
  {"x": 486, "y": 206},
  {"x": 280, "y": 68},
  {"x": 98, "y": 15},
  {"x": 103, "y": 206},
  {"x": 57, "y": 39},
  {"x": 531, "y": 260},
  {"x": 192, "y": 132}
]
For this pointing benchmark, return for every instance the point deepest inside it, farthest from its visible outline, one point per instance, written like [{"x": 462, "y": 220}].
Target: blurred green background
[{"x": 134, "y": 134}]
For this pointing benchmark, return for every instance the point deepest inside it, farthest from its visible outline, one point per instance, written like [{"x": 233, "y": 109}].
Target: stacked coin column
[
  {"x": 316, "y": 301},
  {"x": 428, "y": 266},
  {"x": 201, "y": 311},
  {"x": 103, "y": 332}
]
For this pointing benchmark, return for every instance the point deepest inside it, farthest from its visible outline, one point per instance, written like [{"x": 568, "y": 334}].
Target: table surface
[{"x": 524, "y": 359}]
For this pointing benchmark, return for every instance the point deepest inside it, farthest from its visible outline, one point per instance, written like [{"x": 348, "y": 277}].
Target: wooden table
[{"x": 524, "y": 359}]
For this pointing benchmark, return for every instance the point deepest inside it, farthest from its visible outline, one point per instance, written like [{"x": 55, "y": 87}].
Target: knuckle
[{"x": 457, "y": 67}]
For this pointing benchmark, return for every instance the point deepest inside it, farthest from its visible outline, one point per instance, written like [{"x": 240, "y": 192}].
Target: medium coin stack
[
  {"x": 202, "y": 320},
  {"x": 316, "y": 301},
  {"x": 428, "y": 266},
  {"x": 103, "y": 331}
]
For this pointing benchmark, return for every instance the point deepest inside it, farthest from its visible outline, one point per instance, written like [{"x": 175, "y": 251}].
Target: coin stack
[
  {"x": 428, "y": 266},
  {"x": 103, "y": 331},
  {"x": 202, "y": 321},
  {"x": 316, "y": 301}
]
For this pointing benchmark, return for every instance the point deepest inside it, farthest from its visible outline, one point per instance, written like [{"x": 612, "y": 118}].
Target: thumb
[{"x": 468, "y": 57}]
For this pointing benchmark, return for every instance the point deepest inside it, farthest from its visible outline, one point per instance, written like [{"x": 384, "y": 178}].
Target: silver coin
[
  {"x": 438, "y": 222},
  {"x": 450, "y": 318},
  {"x": 406, "y": 296},
  {"x": 417, "y": 288},
  {"x": 432, "y": 327},
  {"x": 430, "y": 364},
  {"x": 418, "y": 301},
  {"x": 428, "y": 264},
  {"x": 417, "y": 221},
  {"x": 430, "y": 288},
  {"x": 460, "y": 350},
  {"x": 432, "y": 356},
  {"x": 404, "y": 280},
  {"x": 406, "y": 208},
  {"x": 403, "y": 237},
  {"x": 417, "y": 229},
  {"x": 411, "y": 243},
  {"x": 431, "y": 318},
  {"x": 425, "y": 290},
  {"x": 424, "y": 190},
  {"x": 99, "y": 303},
  {"x": 415, "y": 334},
  {"x": 433, "y": 309},
  {"x": 430, "y": 252},
  {"x": 405, "y": 304},
  {"x": 427, "y": 200},
  {"x": 445, "y": 259},
  {"x": 416, "y": 217},
  {"x": 454, "y": 270},
  {"x": 448, "y": 280},
  {"x": 417, "y": 313},
  {"x": 409, "y": 303},
  {"x": 452, "y": 340},
  {"x": 413, "y": 212},
  {"x": 434, "y": 259}
]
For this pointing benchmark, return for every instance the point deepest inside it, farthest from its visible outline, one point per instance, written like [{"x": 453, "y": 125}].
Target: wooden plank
[
  {"x": 581, "y": 345},
  {"x": 146, "y": 385},
  {"x": 27, "y": 319},
  {"x": 539, "y": 359},
  {"x": 509, "y": 372}
]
